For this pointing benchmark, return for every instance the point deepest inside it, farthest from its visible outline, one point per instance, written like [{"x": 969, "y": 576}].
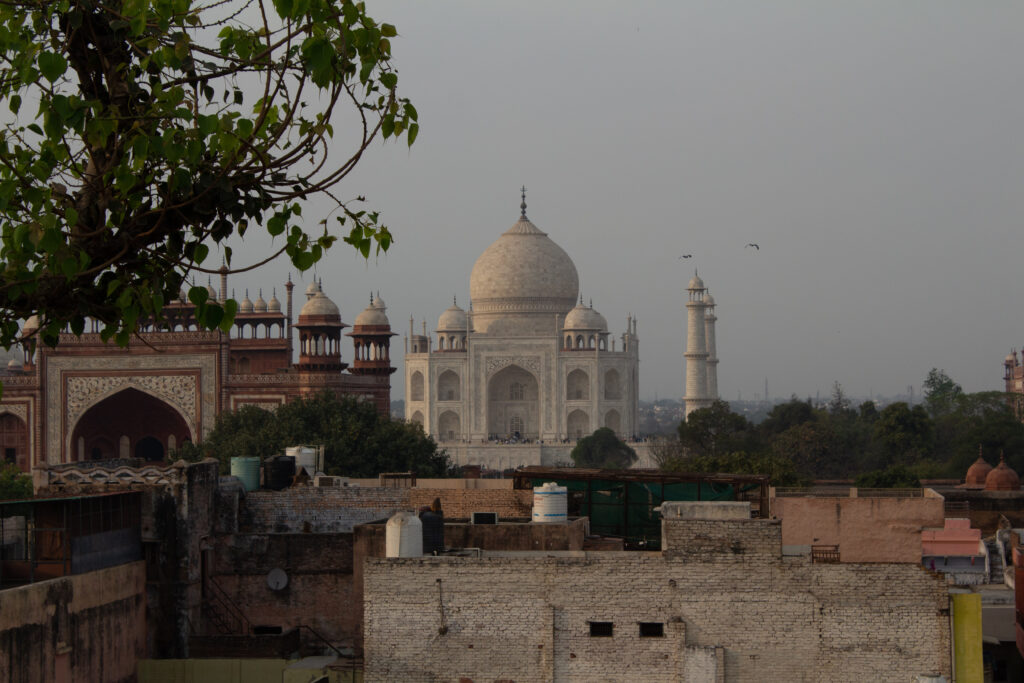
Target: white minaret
[
  {"x": 709, "y": 334},
  {"x": 696, "y": 354}
]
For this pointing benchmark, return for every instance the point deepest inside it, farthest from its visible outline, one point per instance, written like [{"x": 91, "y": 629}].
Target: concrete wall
[
  {"x": 865, "y": 529},
  {"x": 749, "y": 616},
  {"x": 88, "y": 627}
]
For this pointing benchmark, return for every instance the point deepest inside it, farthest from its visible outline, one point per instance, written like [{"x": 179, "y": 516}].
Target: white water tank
[
  {"x": 404, "y": 536},
  {"x": 550, "y": 503}
]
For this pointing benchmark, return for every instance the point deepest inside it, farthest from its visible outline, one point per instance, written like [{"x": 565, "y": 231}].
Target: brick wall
[
  {"x": 339, "y": 509},
  {"x": 319, "y": 591},
  {"x": 319, "y": 509},
  {"x": 460, "y": 504},
  {"x": 705, "y": 539},
  {"x": 774, "y": 619}
]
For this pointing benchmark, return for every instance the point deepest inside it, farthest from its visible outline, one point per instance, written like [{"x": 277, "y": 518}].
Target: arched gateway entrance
[{"x": 130, "y": 423}]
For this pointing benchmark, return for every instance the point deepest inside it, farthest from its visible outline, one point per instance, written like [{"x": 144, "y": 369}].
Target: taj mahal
[{"x": 529, "y": 365}]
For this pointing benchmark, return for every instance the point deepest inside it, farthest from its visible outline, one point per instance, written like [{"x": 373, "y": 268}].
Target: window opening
[
  {"x": 601, "y": 629},
  {"x": 652, "y": 629}
]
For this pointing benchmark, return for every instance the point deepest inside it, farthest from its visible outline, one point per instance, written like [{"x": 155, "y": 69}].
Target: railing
[
  {"x": 324, "y": 640},
  {"x": 222, "y": 604},
  {"x": 825, "y": 554},
  {"x": 956, "y": 508}
]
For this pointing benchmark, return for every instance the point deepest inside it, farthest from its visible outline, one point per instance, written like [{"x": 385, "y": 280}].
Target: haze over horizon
[{"x": 874, "y": 152}]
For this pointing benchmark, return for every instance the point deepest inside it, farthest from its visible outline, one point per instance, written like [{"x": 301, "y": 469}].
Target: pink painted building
[{"x": 956, "y": 538}]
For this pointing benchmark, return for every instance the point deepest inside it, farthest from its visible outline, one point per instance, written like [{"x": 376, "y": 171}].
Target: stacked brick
[{"x": 735, "y": 611}]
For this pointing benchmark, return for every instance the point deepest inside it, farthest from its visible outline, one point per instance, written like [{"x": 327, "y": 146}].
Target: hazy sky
[{"x": 874, "y": 151}]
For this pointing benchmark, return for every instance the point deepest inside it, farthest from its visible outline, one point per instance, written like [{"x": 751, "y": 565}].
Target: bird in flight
[
  {"x": 686, "y": 256},
  {"x": 751, "y": 244}
]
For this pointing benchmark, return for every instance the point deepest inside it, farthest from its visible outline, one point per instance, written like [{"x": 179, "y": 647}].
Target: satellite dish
[{"x": 277, "y": 579}]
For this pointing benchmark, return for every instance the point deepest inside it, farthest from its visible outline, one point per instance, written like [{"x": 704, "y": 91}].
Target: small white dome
[
  {"x": 584, "y": 318},
  {"x": 452, "y": 320},
  {"x": 695, "y": 282},
  {"x": 312, "y": 289},
  {"x": 259, "y": 306},
  {"x": 13, "y": 365},
  {"x": 372, "y": 315},
  {"x": 31, "y": 325},
  {"x": 274, "y": 306},
  {"x": 320, "y": 305},
  {"x": 246, "y": 305},
  {"x": 211, "y": 293},
  {"x": 379, "y": 303},
  {"x": 709, "y": 300}
]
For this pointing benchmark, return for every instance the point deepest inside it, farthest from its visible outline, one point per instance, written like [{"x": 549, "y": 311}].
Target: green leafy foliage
[
  {"x": 801, "y": 442},
  {"x": 14, "y": 484},
  {"x": 158, "y": 128},
  {"x": 715, "y": 430},
  {"x": 894, "y": 477},
  {"x": 603, "y": 449},
  {"x": 358, "y": 441}
]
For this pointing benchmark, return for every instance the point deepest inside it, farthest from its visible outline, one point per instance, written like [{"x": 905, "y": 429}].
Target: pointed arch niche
[{"x": 130, "y": 420}]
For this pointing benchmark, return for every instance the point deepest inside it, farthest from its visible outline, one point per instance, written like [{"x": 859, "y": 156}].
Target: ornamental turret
[
  {"x": 319, "y": 327},
  {"x": 371, "y": 335}
]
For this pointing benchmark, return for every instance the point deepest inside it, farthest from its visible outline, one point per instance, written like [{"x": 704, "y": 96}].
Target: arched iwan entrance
[
  {"x": 130, "y": 423},
  {"x": 513, "y": 405}
]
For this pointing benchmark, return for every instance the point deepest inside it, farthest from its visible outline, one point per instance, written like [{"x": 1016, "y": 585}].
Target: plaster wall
[
  {"x": 88, "y": 627},
  {"x": 865, "y": 529}
]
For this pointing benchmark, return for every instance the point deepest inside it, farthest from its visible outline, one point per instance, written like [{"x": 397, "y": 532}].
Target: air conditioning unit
[{"x": 484, "y": 518}]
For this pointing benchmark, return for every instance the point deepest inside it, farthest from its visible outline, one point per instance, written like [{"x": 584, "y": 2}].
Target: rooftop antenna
[{"x": 522, "y": 206}]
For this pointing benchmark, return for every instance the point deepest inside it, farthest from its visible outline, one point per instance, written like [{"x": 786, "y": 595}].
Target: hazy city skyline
[{"x": 873, "y": 151}]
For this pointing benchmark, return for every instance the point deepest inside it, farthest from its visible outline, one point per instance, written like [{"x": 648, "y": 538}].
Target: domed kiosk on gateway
[{"x": 523, "y": 365}]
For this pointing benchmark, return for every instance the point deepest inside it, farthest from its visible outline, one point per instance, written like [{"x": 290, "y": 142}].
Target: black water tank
[
  {"x": 433, "y": 532},
  {"x": 278, "y": 472}
]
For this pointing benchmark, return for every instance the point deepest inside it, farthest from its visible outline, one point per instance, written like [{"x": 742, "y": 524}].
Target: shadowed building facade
[{"x": 87, "y": 400}]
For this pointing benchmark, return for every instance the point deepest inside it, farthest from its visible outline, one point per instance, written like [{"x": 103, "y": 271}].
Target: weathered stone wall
[
  {"x": 89, "y": 627},
  {"x": 773, "y": 618},
  {"x": 339, "y": 509}
]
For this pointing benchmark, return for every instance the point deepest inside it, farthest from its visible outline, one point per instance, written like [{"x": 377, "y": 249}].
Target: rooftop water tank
[
  {"x": 550, "y": 503},
  {"x": 247, "y": 469},
  {"x": 403, "y": 536},
  {"x": 278, "y": 471}
]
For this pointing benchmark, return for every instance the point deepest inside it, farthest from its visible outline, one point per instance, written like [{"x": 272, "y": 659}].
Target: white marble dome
[
  {"x": 259, "y": 306},
  {"x": 246, "y": 305},
  {"x": 373, "y": 315},
  {"x": 320, "y": 305},
  {"x": 585, "y": 318},
  {"x": 274, "y": 306},
  {"x": 523, "y": 271},
  {"x": 452, "y": 320},
  {"x": 695, "y": 282}
]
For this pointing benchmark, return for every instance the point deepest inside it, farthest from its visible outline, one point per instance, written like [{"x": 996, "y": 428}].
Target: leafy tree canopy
[
  {"x": 141, "y": 132},
  {"x": 14, "y": 484},
  {"x": 358, "y": 441},
  {"x": 603, "y": 449},
  {"x": 788, "y": 414},
  {"x": 894, "y": 477},
  {"x": 715, "y": 430},
  {"x": 941, "y": 393}
]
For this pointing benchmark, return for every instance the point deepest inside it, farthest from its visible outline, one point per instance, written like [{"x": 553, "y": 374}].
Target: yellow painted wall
[{"x": 967, "y": 638}]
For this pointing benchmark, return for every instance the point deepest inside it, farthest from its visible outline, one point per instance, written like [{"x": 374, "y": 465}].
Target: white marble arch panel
[
  {"x": 269, "y": 402},
  {"x": 69, "y": 393}
]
